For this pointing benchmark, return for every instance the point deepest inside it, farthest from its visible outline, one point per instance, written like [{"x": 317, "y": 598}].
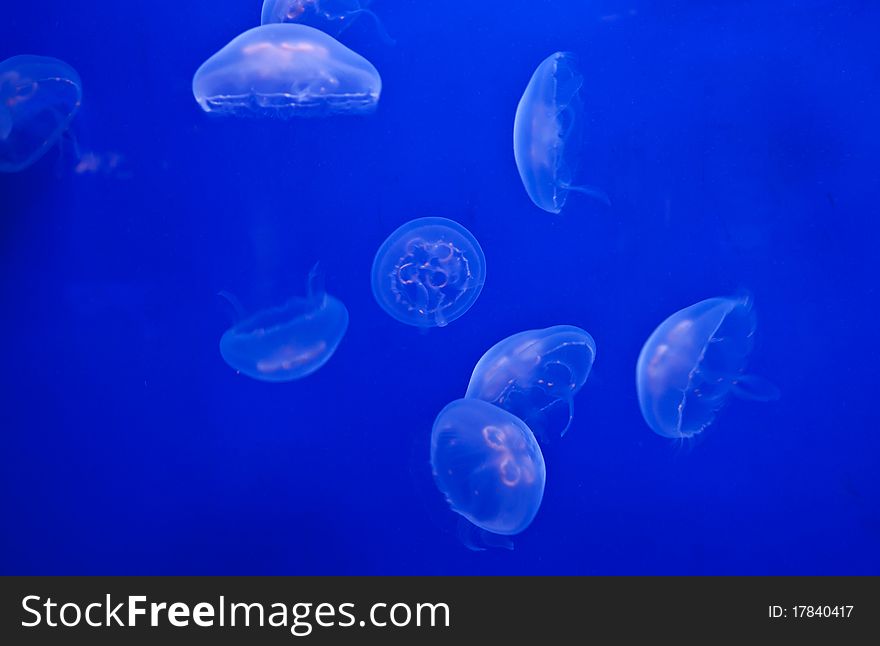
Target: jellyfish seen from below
[
  {"x": 428, "y": 272},
  {"x": 548, "y": 133},
  {"x": 488, "y": 465},
  {"x": 332, "y": 16},
  {"x": 39, "y": 96},
  {"x": 285, "y": 71},
  {"x": 693, "y": 362},
  {"x": 287, "y": 342},
  {"x": 535, "y": 376}
]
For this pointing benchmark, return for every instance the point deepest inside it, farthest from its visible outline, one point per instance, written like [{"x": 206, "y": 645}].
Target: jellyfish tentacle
[
  {"x": 380, "y": 28},
  {"x": 234, "y": 304},
  {"x": 591, "y": 191},
  {"x": 316, "y": 292},
  {"x": 570, "y": 417}
]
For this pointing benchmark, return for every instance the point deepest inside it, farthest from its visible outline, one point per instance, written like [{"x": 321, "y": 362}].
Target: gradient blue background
[{"x": 739, "y": 144}]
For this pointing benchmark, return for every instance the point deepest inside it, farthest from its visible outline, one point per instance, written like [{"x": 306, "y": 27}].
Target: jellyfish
[
  {"x": 39, "y": 96},
  {"x": 694, "y": 361},
  {"x": 285, "y": 71},
  {"x": 287, "y": 342},
  {"x": 488, "y": 465},
  {"x": 332, "y": 16},
  {"x": 535, "y": 376},
  {"x": 428, "y": 272},
  {"x": 548, "y": 132}
]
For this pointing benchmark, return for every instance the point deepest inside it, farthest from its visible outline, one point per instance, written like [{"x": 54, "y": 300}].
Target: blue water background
[{"x": 738, "y": 142}]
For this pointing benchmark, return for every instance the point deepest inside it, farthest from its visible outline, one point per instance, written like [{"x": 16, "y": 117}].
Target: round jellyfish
[
  {"x": 428, "y": 272},
  {"x": 39, "y": 96},
  {"x": 287, "y": 342},
  {"x": 488, "y": 465},
  {"x": 332, "y": 16},
  {"x": 535, "y": 376},
  {"x": 693, "y": 361},
  {"x": 285, "y": 71},
  {"x": 548, "y": 132}
]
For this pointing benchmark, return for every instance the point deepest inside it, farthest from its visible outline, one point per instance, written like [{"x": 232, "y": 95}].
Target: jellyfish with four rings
[
  {"x": 490, "y": 469},
  {"x": 428, "y": 272}
]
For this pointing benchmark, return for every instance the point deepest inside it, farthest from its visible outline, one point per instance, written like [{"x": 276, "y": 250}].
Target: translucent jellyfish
[
  {"x": 488, "y": 465},
  {"x": 286, "y": 70},
  {"x": 535, "y": 376},
  {"x": 428, "y": 272},
  {"x": 39, "y": 96},
  {"x": 287, "y": 342},
  {"x": 548, "y": 132},
  {"x": 693, "y": 361},
  {"x": 332, "y": 16}
]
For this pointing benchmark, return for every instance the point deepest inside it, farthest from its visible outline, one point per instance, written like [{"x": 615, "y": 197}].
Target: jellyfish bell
[
  {"x": 287, "y": 342},
  {"x": 39, "y": 97},
  {"x": 428, "y": 272},
  {"x": 694, "y": 361},
  {"x": 548, "y": 133},
  {"x": 285, "y": 71},
  {"x": 488, "y": 465},
  {"x": 535, "y": 375}
]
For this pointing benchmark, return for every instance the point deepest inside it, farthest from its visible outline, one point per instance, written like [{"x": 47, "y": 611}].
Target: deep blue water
[{"x": 738, "y": 142}]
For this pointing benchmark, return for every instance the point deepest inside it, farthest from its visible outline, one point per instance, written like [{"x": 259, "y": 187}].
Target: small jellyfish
[
  {"x": 488, "y": 465},
  {"x": 548, "y": 132},
  {"x": 428, "y": 272},
  {"x": 535, "y": 376},
  {"x": 287, "y": 342},
  {"x": 39, "y": 96},
  {"x": 332, "y": 16},
  {"x": 693, "y": 361},
  {"x": 285, "y": 71}
]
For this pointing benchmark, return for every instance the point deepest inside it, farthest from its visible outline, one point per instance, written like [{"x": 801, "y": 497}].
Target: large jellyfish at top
[
  {"x": 428, "y": 272},
  {"x": 693, "y": 361},
  {"x": 535, "y": 376},
  {"x": 488, "y": 465},
  {"x": 286, "y": 70},
  {"x": 548, "y": 132},
  {"x": 39, "y": 96},
  {"x": 332, "y": 16},
  {"x": 287, "y": 342}
]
